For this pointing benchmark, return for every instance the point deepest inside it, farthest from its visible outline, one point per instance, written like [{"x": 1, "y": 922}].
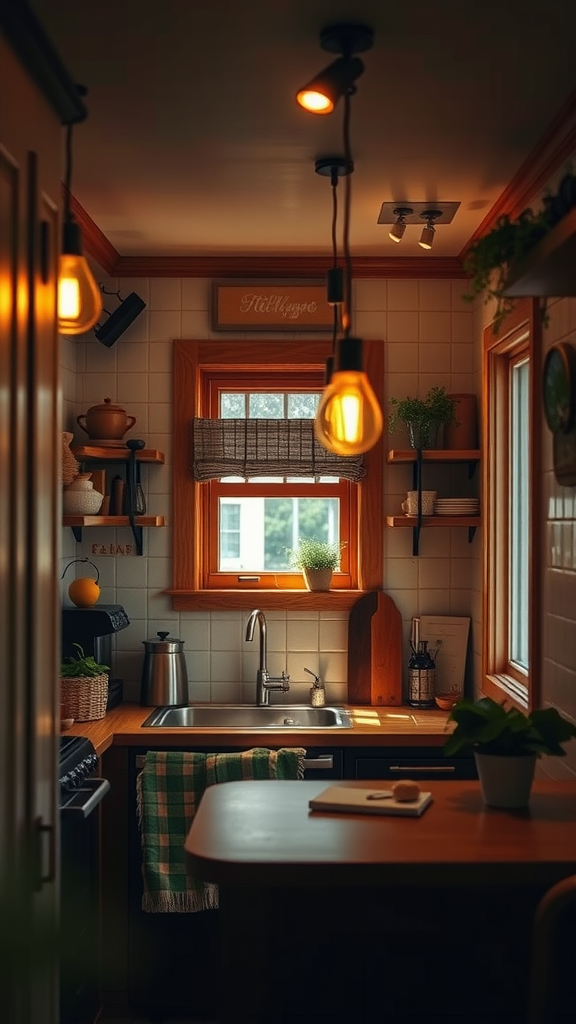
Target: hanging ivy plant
[{"x": 489, "y": 259}]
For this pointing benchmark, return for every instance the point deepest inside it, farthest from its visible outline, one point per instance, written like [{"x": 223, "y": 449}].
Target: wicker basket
[{"x": 84, "y": 698}]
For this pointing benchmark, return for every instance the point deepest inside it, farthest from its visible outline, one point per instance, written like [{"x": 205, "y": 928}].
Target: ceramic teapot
[{"x": 106, "y": 422}]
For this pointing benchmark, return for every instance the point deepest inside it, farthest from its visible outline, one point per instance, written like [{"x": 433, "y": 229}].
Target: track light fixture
[
  {"x": 427, "y": 236},
  {"x": 322, "y": 93},
  {"x": 79, "y": 301},
  {"x": 348, "y": 420},
  {"x": 397, "y": 230}
]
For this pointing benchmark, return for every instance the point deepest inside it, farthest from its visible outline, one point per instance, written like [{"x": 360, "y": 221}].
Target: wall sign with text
[{"x": 278, "y": 306}]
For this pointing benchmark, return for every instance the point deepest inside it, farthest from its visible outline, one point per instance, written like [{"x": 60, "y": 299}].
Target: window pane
[
  {"x": 302, "y": 407},
  {"x": 267, "y": 528},
  {"x": 519, "y": 513},
  {"x": 232, "y": 406},
  {"x": 266, "y": 407},
  {"x": 230, "y": 531}
]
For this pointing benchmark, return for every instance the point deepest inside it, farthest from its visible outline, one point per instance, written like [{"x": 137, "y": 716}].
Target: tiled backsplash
[{"x": 428, "y": 333}]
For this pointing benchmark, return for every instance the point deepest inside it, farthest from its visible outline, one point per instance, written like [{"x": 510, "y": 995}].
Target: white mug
[{"x": 410, "y": 506}]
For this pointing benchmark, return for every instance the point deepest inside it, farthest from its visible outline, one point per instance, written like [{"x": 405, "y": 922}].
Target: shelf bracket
[
  {"x": 471, "y": 532},
  {"x": 77, "y": 531},
  {"x": 417, "y": 479},
  {"x": 138, "y": 538}
]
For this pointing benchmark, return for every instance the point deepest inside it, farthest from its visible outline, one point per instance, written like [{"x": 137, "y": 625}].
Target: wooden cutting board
[{"x": 375, "y": 651}]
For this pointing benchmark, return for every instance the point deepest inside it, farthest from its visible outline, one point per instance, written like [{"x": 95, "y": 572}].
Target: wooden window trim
[
  {"x": 500, "y": 680},
  {"x": 190, "y": 357}
]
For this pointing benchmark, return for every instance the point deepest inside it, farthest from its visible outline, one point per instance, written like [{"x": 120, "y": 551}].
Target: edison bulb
[
  {"x": 349, "y": 420},
  {"x": 79, "y": 298}
]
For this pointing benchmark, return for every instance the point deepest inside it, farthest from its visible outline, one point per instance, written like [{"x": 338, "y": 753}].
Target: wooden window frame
[
  {"x": 190, "y": 503},
  {"x": 520, "y": 333}
]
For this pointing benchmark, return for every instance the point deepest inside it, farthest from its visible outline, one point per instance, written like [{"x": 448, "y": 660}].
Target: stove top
[{"x": 77, "y": 760}]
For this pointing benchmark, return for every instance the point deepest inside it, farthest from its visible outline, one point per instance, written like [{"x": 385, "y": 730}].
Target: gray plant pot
[
  {"x": 423, "y": 435},
  {"x": 505, "y": 781}
]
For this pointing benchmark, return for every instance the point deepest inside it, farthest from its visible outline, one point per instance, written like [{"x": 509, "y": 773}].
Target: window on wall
[
  {"x": 238, "y": 511},
  {"x": 511, "y": 467}
]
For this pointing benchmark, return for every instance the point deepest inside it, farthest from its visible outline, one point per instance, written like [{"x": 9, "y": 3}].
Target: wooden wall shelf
[
  {"x": 92, "y": 453},
  {"x": 396, "y": 455}
]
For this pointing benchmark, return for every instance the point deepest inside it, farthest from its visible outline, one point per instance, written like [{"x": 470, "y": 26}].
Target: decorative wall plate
[{"x": 559, "y": 397}]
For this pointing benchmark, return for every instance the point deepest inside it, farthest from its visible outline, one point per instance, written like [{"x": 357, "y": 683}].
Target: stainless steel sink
[{"x": 242, "y": 716}]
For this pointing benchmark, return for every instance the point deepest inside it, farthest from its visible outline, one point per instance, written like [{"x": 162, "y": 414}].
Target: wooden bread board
[{"x": 375, "y": 651}]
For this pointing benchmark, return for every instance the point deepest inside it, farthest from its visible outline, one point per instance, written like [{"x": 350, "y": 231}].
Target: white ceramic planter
[{"x": 505, "y": 781}]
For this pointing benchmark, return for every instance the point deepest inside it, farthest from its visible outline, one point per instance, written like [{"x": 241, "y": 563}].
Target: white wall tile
[{"x": 166, "y": 293}]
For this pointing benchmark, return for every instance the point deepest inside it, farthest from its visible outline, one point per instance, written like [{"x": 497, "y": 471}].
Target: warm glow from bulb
[
  {"x": 349, "y": 419},
  {"x": 314, "y": 101},
  {"x": 68, "y": 298},
  {"x": 79, "y": 298}
]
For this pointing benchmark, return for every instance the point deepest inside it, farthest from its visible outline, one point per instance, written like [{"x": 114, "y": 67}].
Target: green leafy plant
[
  {"x": 81, "y": 665},
  {"x": 316, "y": 554},
  {"x": 489, "y": 259},
  {"x": 435, "y": 407},
  {"x": 490, "y": 728}
]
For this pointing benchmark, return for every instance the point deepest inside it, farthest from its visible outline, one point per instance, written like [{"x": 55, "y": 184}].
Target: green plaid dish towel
[{"x": 169, "y": 790}]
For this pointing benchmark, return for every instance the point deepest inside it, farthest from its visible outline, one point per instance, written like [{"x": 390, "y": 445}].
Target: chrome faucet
[{"x": 264, "y": 681}]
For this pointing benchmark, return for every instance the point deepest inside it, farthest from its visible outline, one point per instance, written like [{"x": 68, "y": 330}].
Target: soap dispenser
[{"x": 317, "y": 691}]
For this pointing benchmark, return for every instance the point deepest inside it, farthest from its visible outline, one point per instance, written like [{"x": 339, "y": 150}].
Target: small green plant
[
  {"x": 435, "y": 408},
  {"x": 81, "y": 665},
  {"x": 316, "y": 554},
  {"x": 490, "y": 728}
]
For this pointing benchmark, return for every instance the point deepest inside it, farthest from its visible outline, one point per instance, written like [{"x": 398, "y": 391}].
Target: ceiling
[{"x": 194, "y": 144}]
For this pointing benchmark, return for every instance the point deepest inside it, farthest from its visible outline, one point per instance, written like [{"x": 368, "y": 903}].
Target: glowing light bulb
[
  {"x": 349, "y": 420},
  {"x": 79, "y": 298},
  {"x": 68, "y": 293},
  {"x": 315, "y": 102}
]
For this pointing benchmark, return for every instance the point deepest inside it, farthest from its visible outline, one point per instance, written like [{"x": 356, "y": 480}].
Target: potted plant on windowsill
[
  {"x": 423, "y": 416},
  {"x": 317, "y": 559},
  {"x": 506, "y": 743},
  {"x": 83, "y": 687}
]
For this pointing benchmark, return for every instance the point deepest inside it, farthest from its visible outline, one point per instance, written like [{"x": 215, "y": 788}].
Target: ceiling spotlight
[
  {"x": 427, "y": 236},
  {"x": 321, "y": 94},
  {"x": 397, "y": 230}
]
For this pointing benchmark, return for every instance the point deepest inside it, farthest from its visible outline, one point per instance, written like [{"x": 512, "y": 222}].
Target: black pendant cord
[
  {"x": 68, "y": 173},
  {"x": 334, "y": 181},
  {"x": 346, "y": 226}
]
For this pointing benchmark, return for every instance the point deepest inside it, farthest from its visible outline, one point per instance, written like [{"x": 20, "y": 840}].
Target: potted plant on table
[
  {"x": 84, "y": 687},
  {"x": 506, "y": 743},
  {"x": 317, "y": 559},
  {"x": 423, "y": 416}
]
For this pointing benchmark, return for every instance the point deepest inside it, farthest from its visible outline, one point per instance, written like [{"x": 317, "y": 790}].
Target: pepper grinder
[{"x": 317, "y": 691}]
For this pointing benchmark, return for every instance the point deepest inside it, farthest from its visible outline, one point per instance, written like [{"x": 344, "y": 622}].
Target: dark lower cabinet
[{"x": 424, "y": 764}]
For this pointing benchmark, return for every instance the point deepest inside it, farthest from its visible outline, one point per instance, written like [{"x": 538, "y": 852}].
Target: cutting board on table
[{"x": 375, "y": 651}]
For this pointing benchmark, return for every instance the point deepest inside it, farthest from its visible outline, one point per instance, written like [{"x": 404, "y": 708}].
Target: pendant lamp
[
  {"x": 79, "y": 298},
  {"x": 349, "y": 420}
]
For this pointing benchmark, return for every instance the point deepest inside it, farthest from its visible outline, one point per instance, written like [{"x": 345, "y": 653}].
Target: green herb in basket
[{"x": 81, "y": 665}]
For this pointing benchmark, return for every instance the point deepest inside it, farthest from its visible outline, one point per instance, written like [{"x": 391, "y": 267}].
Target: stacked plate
[{"x": 457, "y": 507}]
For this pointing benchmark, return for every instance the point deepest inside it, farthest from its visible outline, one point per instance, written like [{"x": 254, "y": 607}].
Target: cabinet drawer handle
[
  {"x": 323, "y": 762},
  {"x": 420, "y": 768}
]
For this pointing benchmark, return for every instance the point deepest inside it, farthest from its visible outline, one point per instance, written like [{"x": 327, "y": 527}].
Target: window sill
[{"x": 302, "y": 600}]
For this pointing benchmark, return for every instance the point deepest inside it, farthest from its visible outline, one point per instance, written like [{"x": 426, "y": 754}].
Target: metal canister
[{"x": 164, "y": 674}]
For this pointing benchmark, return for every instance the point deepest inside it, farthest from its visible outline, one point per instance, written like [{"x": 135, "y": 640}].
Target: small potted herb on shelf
[
  {"x": 423, "y": 416},
  {"x": 84, "y": 687},
  {"x": 317, "y": 559},
  {"x": 506, "y": 743}
]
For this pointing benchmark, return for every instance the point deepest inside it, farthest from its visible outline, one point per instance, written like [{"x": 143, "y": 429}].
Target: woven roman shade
[{"x": 262, "y": 447}]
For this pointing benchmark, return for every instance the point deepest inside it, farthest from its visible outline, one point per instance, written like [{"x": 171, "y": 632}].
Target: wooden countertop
[
  {"x": 372, "y": 726},
  {"x": 263, "y": 834}
]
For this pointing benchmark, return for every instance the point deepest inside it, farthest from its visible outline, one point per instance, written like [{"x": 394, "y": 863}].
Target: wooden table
[{"x": 256, "y": 838}]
